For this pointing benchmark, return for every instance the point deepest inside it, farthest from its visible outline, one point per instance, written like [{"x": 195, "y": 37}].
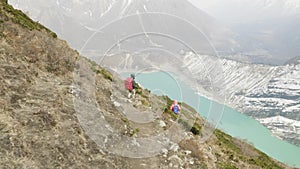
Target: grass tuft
[{"x": 20, "y": 18}]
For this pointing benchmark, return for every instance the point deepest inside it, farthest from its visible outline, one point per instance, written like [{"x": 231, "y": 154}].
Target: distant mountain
[
  {"x": 86, "y": 22},
  {"x": 267, "y": 30},
  {"x": 272, "y": 41},
  {"x": 295, "y": 60},
  {"x": 261, "y": 31}
]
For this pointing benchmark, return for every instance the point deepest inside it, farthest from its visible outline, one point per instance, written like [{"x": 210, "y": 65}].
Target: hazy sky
[{"x": 249, "y": 10}]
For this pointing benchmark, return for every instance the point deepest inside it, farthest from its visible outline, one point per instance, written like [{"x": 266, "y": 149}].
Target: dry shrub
[{"x": 193, "y": 147}]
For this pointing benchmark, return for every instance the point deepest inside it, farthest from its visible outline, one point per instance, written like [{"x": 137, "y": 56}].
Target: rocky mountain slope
[
  {"x": 268, "y": 91},
  {"x": 40, "y": 126}
]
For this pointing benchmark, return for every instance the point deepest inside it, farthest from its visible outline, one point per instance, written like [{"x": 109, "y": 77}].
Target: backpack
[
  {"x": 176, "y": 109},
  {"x": 128, "y": 83}
]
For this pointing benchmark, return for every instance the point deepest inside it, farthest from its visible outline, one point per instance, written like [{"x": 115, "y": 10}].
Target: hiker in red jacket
[{"x": 130, "y": 85}]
